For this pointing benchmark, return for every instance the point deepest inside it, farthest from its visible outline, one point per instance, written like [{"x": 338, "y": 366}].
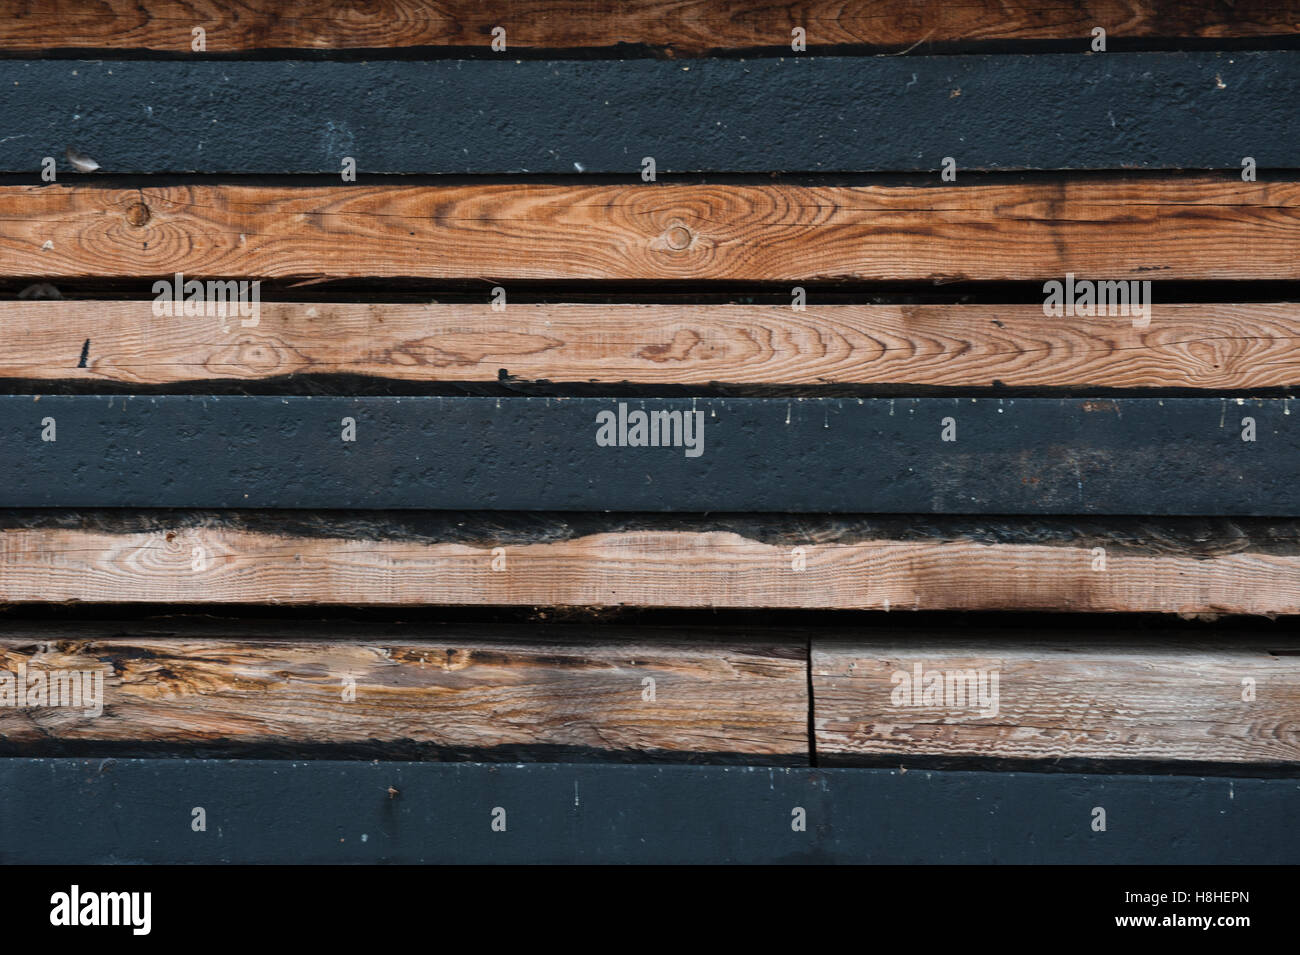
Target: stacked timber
[{"x": 865, "y": 408}]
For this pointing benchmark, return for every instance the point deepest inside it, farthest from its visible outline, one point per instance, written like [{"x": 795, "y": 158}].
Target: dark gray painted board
[
  {"x": 798, "y": 113},
  {"x": 78, "y": 811},
  {"x": 1149, "y": 456}
]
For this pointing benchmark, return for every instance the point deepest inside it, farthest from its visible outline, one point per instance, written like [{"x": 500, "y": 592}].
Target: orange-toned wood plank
[
  {"x": 500, "y": 692},
  {"x": 808, "y": 565},
  {"x": 686, "y": 26},
  {"x": 1219, "y": 346},
  {"x": 1106, "y": 230}
]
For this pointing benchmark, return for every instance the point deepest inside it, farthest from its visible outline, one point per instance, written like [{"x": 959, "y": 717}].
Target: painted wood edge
[
  {"x": 804, "y": 455},
  {"x": 80, "y": 811},
  {"x": 939, "y": 117}
]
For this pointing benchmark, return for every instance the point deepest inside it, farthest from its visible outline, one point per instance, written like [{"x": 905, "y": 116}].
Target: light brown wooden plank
[
  {"x": 510, "y": 690},
  {"x": 1215, "y": 346},
  {"x": 1080, "y": 696},
  {"x": 674, "y": 24},
  {"x": 207, "y": 561},
  {"x": 1101, "y": 229}
]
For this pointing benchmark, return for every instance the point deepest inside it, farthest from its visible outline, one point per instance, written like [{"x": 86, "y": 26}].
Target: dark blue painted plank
[
  {"x": 1151, "y": 456},
  {"x": 1196, "y": 110},
  {"x": 88, "y": 811}
]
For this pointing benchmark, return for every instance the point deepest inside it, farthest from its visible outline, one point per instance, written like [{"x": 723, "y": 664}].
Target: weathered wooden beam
[
  {"x": 1169, "y": 566},
  {"x": 1198, "y": 110},
  {"x": 837, "y": 455},
  {"x": 1209, "y": 346},
  {"x": 677, "y": 26},
  {"x": 1063, "y": 696},
  {"x": 1173, "y": 229},
  {"x": 82, "y": 811},
  {"x": 498, "y": 693}
]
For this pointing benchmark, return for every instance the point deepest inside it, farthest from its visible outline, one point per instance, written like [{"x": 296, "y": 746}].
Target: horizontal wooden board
[
  {"x": 1060, "y": 697},
  {"x": 834, "y": 455},
  {"x": 1171, "y": 566},
  {"x": 82, "y": 811},
  {"x": 1210, "y": 346},
  {"x": 1197, "y": 110},
  {"x": 1166, "y": 229},
  {"x": 500, "y": 693},
  {"x": 671, "y": 24}
]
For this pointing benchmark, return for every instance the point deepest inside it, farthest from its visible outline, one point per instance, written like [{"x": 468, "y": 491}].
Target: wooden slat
[
  {"x": 504, "y": 693},
  {"x": 1063, "y": 697},
  {"x": 87, "y": 811},
  {"x": 505, "y": 116},
  {"x": 1169, "y": 229},
  {"x": 802, "y": 455},
  {"x": 1211, "y": 346},
  {"x": 1171, "y": 567},
  {"x": 684, "y": 27}
]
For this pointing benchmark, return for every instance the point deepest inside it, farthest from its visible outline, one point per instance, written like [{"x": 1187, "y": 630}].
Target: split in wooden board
[
  {"x": 1209, "y": 346},
  {"x": 683, "y": 27},
  {"x": 650, "y": 693},
  {"x": 1171, "y": 567},
  {"x": 1101, "y": 230}
]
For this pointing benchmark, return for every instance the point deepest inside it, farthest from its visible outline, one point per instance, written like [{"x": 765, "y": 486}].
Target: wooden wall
[{"x": 915, "y": 523}]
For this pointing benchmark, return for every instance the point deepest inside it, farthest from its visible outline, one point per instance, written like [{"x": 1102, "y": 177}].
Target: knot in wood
[
  {"x": 137, "y": 214},
  {"x": 678, "y": 238}
]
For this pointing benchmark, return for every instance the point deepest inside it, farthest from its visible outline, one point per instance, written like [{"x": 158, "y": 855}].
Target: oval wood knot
[
  {"x": 138, "y": 214},
  {"x": 678, "y": 238}
]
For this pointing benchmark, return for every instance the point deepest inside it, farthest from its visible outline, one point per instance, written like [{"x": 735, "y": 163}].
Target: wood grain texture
[
  {"x": 506, "y": 692},
  {"x": 686, "y": 27},
  {"x": 1168, "y": 229},
  {"x": 207, "y": 561},
  {"x": 1212, "y": 346},
  {"x": 1089, "y": 697}
]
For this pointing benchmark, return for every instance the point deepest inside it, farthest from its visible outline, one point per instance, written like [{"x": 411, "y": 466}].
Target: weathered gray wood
[{"x": 1069, "y": 695}]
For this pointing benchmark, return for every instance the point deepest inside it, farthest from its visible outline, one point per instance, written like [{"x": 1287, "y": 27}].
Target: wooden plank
[
  {"x": 805, "y": 455},
  {"x": 83, "y": 811},
  {"x": 1171, "y": 566},
  {"x": 1067, "y": 696},
  {"x": 1170, "y": 229},
  {"x": 671, "y": 24},
  {"x": 503, "y": 116},
  {"x": 1201, "y": 346},
  {"x": 500, "y": 693}
]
